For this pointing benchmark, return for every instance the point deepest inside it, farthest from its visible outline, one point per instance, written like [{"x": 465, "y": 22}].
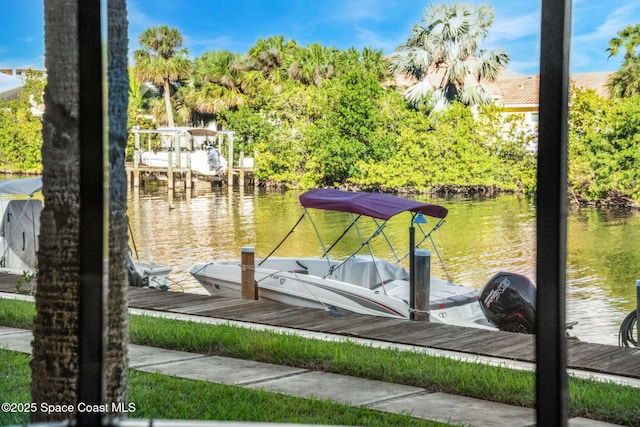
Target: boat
[
  {"x": 364, "y": 283},
  {"x": 20, "y": 225},
  {"x": 198, "y": 151},
  {"x": 20, "y": 230}
]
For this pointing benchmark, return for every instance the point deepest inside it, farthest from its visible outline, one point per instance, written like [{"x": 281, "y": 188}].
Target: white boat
[
  {"x": 20, "y": 225},
  {"x": 20, "y": 230},
  {"x": 197, "y": 150},
  {"x": 366, "y": 284}
]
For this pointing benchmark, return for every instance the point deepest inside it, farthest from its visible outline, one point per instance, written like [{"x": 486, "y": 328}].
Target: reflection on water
[{"x": 478, "y": 239}]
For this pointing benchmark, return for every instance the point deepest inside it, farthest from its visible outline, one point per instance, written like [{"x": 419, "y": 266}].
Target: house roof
[
  {"x": 515, "y": 89},
  {"x": 11, "y": 94}
]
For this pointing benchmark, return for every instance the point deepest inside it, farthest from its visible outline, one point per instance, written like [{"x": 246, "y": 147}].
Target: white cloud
[
  {"x": 510, "y": 28},
  {"x": 614, "y": 22}
]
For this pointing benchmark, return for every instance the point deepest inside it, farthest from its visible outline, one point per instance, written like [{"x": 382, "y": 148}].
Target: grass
[
  {"x": 592, "y": 399},
  {"x": 156, "y": 396}
]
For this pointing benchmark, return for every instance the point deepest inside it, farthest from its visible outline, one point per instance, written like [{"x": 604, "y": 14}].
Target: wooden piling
[
  {"x": 249, "y": 285},
  {"x": 136, "y": 161},
  {"x": 241, "y": 169},
  {"x": 230, "y": 161},
  {"x": 423, "y": 284}
]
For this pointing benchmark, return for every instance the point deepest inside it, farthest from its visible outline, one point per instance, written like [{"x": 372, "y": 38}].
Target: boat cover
[
  {"x": 20, "y": 228},
  {"x": 26, "y": 186},
  {"x": 376, "y": 205}
]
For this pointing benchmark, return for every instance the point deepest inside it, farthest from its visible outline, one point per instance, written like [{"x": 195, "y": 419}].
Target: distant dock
[{"x": 174, "y": 156}]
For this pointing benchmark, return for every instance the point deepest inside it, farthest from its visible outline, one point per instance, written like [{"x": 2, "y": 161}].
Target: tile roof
[
  {"x": 514, "y": 89},
  {"x": 517, "y": 89}
]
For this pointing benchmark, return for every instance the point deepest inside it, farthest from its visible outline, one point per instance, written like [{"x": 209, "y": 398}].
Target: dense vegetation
[
  {"x": 319, "y": 116},
  {"x": 20, "y": 131}
]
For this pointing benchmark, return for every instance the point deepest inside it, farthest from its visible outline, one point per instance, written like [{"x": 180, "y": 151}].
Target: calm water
[{"x": 478, "y": 239}]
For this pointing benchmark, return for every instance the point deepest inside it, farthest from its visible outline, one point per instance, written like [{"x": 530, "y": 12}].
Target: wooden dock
[
  {"x": 597, "y": 358},
  {"x": 179, "y": 143}
]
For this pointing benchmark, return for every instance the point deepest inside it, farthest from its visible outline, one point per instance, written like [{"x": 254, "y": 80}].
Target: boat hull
[
  {"x": 283, "y": 280},
  {"x": 198, "y": 161}
]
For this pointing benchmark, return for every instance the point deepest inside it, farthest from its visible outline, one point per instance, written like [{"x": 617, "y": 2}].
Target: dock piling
[
  {"x": 422, "y": 292},
  {"x": 248, "y": 267}
]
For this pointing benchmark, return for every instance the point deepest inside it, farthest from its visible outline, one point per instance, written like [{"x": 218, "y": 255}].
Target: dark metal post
[
  {"x": 93, "y": 187},
  {"x": 422, "y": 284},
  {"x": 638, "y": 312},
  {"x": 551, "y": 375},
  {"x": 412, "y": 271}
]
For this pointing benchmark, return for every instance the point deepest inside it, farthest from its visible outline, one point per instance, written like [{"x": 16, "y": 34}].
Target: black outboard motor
[{"x": 508, "y": 301}]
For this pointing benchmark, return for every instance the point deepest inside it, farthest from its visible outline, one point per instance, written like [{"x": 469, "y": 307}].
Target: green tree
[
  {"x": 162, "y": 60},
  {"x": 139, "y": 94},
  {"x": 271, "y": 55},
  {"x": 313, "y": 64},
  {"x": 344, "y": 135},
  {"x": 443, "y": 56},
  {"x": 626, "y": 81},
  {"x": 20, "y": 130},
  {"x": 221, "y": 81},
  {"x": 604, "y": 146}
]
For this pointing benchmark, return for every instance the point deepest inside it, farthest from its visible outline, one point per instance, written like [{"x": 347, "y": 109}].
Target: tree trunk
[
  {"x": 54, "y": 363},
  {"x": 167, "y": 103},
  {"x": 117, "y": 303}
]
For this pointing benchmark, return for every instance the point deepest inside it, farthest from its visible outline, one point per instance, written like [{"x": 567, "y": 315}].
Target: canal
[{"x": 479, "y": 238}]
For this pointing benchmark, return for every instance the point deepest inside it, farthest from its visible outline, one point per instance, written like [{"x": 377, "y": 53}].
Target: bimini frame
[{"x": 380, "y": 208}]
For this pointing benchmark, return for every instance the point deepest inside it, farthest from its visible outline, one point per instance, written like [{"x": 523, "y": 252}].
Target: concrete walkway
[{"x": 377, "y": 395}]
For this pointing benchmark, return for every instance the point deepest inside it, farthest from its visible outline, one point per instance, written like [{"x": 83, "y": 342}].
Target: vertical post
[
  {"x": 230, "y": 161},
  {"x": 412, "y": 271},
  {"x": 253, "y": 170},
  {"x": 638, "y": 312},
  {"x": 170, "y": 163},
  {"x": 422, "y": 284},
  {"x": 188, "y": 178},
  {"x": 93, "y": 187},
  {"x": 178, "y": 147},
  {"x": 241, "y": 166},
  {"x": 248, "y": 267},
  {"x": 136, "y": 160},
  {"x": 551, "y": 349}
]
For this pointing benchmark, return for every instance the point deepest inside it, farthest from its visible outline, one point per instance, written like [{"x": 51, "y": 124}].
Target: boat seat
[{"x": 368, "y": 272}]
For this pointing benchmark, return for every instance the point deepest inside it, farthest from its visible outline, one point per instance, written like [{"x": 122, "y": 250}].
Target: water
[{"x": 478, "y": 239}]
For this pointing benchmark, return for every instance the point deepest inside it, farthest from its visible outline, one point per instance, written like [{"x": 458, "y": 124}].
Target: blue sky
[{"x": 236, "y": 25}]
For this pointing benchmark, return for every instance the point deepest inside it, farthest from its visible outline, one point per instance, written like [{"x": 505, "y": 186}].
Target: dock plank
[{"x": 584, "y": 356}]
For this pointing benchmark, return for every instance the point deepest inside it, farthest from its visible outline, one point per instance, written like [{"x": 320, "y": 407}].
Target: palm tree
[
  {"x": 313, "y": 64},
  {"x": 444, "y": 58},
  {"x": 55, "y": 360},
  {"x": 162, "y": 60},
  {"x": 626, "y": 81},
  {"x": 368, "y": 60},
  {"x": 217, "y": 82},
  {"x": 139, "y": 93},
  {"x": 270, "y": 56}
]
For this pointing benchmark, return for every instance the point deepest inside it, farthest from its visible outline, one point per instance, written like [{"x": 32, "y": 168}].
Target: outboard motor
[
  {"x": 508, "y": 301},
  {"x": 135, "y": 278},
  {"x": 214, "y": 160}
]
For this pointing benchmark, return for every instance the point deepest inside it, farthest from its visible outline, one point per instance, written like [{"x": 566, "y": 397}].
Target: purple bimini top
[{"x": 376, "y": 205}]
